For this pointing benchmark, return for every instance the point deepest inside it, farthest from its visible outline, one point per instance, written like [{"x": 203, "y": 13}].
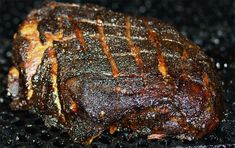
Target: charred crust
[{"x": 176, "y": 93}]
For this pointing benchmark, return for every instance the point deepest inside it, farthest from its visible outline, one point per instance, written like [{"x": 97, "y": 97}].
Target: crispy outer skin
[{"x": 86, "y": 69}]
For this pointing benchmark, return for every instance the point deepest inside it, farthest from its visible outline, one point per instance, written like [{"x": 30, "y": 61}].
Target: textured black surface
[{"x": 211, "y": 24}]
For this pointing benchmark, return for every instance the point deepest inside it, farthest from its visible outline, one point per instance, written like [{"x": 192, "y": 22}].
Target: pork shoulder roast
[{"x": 86, "y": 69}]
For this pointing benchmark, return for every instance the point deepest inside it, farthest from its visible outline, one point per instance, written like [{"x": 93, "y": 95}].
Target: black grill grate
[{"x": 210, "y": 24}]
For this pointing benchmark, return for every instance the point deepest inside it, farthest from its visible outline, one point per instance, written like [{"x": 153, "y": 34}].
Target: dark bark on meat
[{"x": 86, "y": 69}]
